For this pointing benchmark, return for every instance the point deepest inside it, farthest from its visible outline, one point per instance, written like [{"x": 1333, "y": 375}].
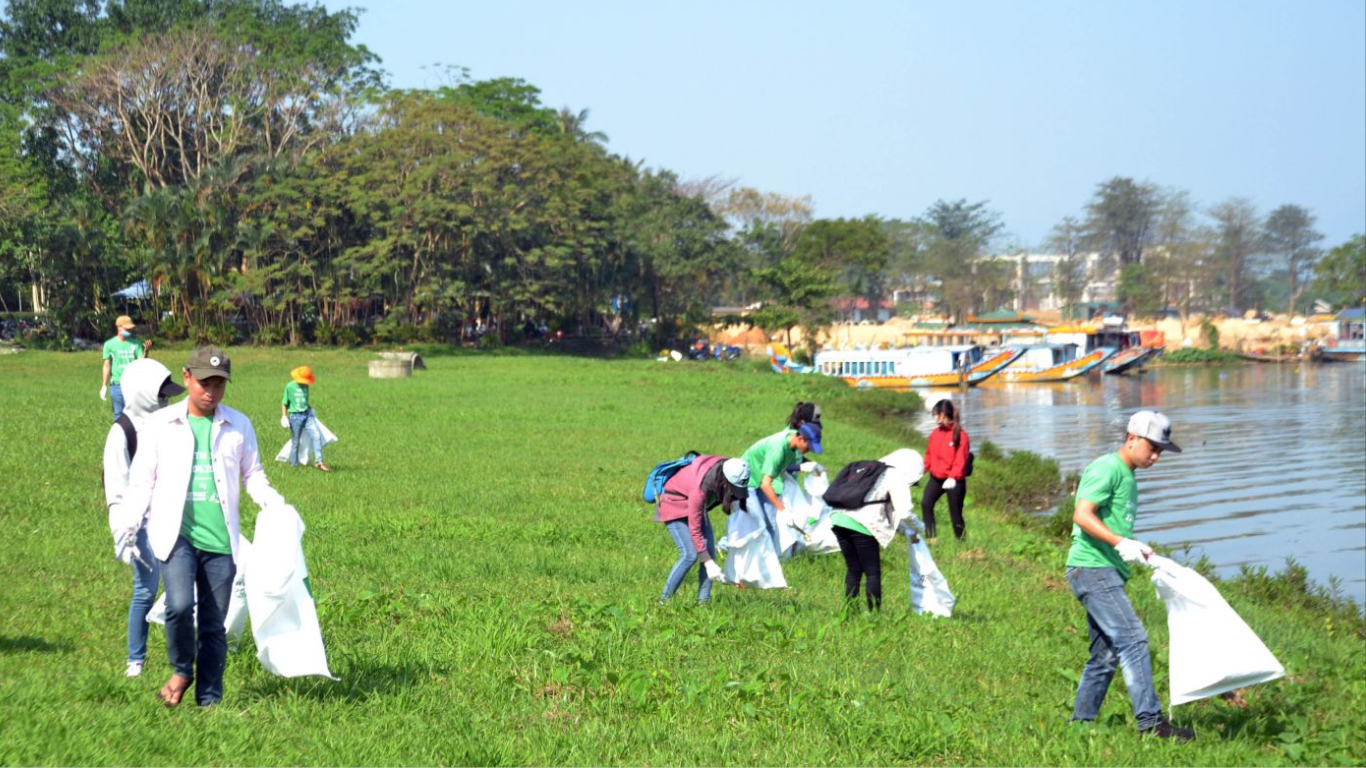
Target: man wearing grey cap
[
  {"x": 1098, "y": 566},
  {"x": 183, "y": 486}
]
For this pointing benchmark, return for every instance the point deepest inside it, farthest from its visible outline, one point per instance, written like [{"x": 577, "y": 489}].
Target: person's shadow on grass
[{"x": 31, "y": 645}]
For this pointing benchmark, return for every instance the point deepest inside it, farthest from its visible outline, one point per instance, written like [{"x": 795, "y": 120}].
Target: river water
[{"x": 1274, "y": 460}]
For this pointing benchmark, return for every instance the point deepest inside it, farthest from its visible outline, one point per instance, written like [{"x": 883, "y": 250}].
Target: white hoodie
[{"x": 141, "y": 383}]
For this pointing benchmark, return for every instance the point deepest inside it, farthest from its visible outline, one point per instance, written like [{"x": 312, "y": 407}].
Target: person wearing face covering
[
  {"x": 683, "y": 506},
  {"x": 864, "y": 532},
  {"x": 147, "y": 385},
  {"x": 118, "y": 353}
]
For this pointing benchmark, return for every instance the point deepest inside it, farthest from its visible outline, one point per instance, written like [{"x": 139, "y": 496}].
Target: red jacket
[
  {"x": 942, "y": 460},
  {"x": 683, "y": 497}
]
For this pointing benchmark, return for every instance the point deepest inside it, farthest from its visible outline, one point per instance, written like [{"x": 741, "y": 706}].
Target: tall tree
[
  {"x": 1239, "y": 231},
  {"x": 1068, "y": 241},
  {"x": 1120, "y": 218},
  {"x": 960, "y": 233},
  {"x": 1290, "y": 239},
  {"x": 1341, "y": 274}
]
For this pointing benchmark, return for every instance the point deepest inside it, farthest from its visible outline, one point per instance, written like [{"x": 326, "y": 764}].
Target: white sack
[
  {"x": 929, "y": 589},
  {"x": 236, "y": 619},
  {"x": 306, "y": 449},
  {"x": 818, "y": 538},
  {"x": 1213, "y": 650},
  {"x": 750, "y": 559},
  {"x": 284, "y": 618},
  {"x": 800, "y": 505}
]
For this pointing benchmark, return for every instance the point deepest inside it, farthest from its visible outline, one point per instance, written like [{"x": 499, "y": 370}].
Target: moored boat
[
  {"x": 915, "y": 367},
  {"x": 1051, "y": 362},
  {"x": 1127, "y": 360},
  {"x": 1346, "y": 341}
]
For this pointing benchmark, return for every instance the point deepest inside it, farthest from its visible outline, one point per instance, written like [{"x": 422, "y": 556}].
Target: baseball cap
[
  {"x": 736, "y": 472},
  {"x": 125, "y": 322},
  {"x": 207, "y": 362},
  {"x": 1154, "y": 427},
  {"x": 812, "y": 432},
  {"x": 169, "y": 389},
  {"x": 302, "y": 375}
]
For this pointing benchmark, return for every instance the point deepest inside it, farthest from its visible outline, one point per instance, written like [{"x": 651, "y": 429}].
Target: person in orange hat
[
  {"x": 117, "y": 354},
  {"x": 296, "y": 415}
]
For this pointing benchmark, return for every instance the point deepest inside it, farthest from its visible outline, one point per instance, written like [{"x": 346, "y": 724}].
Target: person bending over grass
[
  {"x": 767, "y": 459},
  {"x": 864, "y": 532},
  {"x": 184, "y": 486},
  {"x": 1098, "y": 566},
  {"x": 683, "y": 506},
  {"x": 146, "y": 386}
]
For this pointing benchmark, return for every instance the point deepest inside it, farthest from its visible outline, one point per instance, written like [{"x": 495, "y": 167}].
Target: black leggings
[
  {"x": 862, "y": 557},
  {"x": 934, "y": 488}
]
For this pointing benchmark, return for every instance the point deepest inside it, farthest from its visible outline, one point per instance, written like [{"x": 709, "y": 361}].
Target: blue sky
[{"x": 884, "y": 107}]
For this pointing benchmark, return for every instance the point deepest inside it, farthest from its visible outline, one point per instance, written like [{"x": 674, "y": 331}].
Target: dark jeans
[
  {"x": 212, "y": 573},
  {"x": 934, "y": 488},
  {"x": 862, "y": 557},
  {"x": 1118, "y": 639}
]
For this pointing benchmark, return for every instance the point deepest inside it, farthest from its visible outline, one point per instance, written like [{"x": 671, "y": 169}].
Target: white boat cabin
[
  {"x": 908, "y": 362},
  {"x": 1041, "y": 357}
]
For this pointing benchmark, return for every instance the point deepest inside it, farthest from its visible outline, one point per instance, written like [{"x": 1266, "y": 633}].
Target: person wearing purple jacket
[{"x": 683, "y": 506}]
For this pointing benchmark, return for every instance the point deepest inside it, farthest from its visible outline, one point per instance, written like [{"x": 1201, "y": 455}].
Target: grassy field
[{"x": 487, "y": 581}]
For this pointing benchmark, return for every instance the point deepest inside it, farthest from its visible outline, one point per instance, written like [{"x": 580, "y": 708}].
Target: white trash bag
[
  {"x": 306, "y": 448},
  {"x": 929, "y": 589},
  {"x": 1213, "y": 650},
  {"x": 804, "y": 523},
  {"x": 236, "y": 619},
  {"x": 750, "y": 559},
  {"x": 284, "y": 618},
  {"x": 818, "y": 538}
]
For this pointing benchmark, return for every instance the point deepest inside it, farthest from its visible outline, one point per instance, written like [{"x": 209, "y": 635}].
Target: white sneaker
[{"x": 134, "y": 669}]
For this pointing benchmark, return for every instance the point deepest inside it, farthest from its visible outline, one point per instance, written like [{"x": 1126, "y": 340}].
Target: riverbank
[{"x": 487, "y": 580}]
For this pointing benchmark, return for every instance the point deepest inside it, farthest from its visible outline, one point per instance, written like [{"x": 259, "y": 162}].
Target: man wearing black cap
[
  {"x": 1098, "y": 566},
  {"x": 184, "y": 485}
]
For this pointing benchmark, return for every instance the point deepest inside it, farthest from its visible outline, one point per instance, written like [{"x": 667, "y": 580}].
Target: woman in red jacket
[
  {"x": 688, "y": 495},
  {"x": 946, "y": 459}
]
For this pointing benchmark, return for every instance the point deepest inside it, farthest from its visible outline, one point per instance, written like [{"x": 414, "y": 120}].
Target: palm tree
[{"x": 572, "y": 123}]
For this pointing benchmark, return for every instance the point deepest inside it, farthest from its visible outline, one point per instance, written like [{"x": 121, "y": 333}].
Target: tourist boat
[
  {"x": 914, "y": 367},
  {"x": 1127, "y": 360},
  {"x": 781, "y": 360},
  {"x": 1346, "y": 337},
  {"x": 1050, "y": 362}
]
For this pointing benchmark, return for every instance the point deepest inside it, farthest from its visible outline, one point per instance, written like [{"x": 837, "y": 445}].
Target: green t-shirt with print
[
  {"x": 1110, "y": 485},
  {"x": 296, "y": 397},
  {"x": 202, "y": 522},
  {"x": 770, "y": 456},
  {"x": 120, "y": 353}
]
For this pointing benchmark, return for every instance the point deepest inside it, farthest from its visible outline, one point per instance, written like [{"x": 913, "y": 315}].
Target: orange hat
[
  {"x": 302, "y": 375},
  {"x": 125, "y": 322}
]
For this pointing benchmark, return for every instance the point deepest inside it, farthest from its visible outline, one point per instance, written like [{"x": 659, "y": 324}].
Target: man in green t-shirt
[
  {"x": 767, "y": 459},
  {"x": 117, "y": 354},
  {"x": 1098, "y": 566}
]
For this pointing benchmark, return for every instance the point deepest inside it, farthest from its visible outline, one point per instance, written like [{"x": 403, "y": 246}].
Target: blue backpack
[{"x": 654, "y": 482}]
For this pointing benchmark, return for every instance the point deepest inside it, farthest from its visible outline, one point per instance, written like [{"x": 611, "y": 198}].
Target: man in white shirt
[{"x": 184, "y": 485}]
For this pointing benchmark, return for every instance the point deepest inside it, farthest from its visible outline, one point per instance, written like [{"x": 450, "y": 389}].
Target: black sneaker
[{"x": 1165, "y": 730}]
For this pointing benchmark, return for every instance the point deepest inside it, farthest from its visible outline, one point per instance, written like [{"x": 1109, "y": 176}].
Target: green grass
[{"x": 487, "y": 581}]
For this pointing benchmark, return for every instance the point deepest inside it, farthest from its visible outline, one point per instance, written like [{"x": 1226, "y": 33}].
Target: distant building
[{"x": 1036, "y": 280}]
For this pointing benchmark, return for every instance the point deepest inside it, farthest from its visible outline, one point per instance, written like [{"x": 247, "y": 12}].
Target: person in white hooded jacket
[
  {"x": 147, "y": 386},
  {"x": 864, "y": 532}
]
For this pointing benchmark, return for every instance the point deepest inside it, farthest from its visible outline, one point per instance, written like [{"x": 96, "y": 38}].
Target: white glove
[
  {"x": 713, "y": 571},
  {"x": 126, "y": 547},
  {"x": 104, "y": 392},
  {"x": 950, "y": 483},
  {"x": 812, "y": 467},
  {"x": 284, "y": 422},
  {"x": 1133, "y": 552}
]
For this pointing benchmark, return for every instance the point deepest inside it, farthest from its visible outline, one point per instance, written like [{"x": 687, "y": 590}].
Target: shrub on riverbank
[
  {"x": 488, "y": 581},
  {"x": 1195, "y": 356}
]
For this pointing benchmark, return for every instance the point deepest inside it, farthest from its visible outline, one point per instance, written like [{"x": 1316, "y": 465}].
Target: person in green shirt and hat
[{"x": 118, "y": 352}]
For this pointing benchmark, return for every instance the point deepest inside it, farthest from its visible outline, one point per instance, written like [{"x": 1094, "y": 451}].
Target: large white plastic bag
[
  {"x": 1213, "y": 650},
  {"x": 750, "y": 559},
  {"x": 236, "y": 619},
  {"x": 284, "y": 618},
  {"x": 306, "y": 449},
  {"x": 800, "y": 505},
  {"x": 929, "y": 589}
]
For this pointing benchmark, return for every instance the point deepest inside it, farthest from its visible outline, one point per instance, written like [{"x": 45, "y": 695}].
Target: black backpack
[
  {"x": 130, "y": 436},
  {"x": 851, "y": 486}
]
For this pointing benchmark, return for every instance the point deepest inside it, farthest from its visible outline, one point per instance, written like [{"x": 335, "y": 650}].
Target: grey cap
[
  {"x": 207, "y": 362},
  {"x": 1155, "y": 428}
]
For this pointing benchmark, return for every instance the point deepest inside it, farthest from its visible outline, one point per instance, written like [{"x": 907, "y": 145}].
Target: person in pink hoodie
[{"x": 683, "y": 506}]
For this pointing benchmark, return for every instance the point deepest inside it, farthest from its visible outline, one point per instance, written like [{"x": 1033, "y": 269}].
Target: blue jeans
[
  {"x": 687, "y": 556},
  {"x": 298, "y": 424},
  {"x": 758, "y": 501},
  {"x": 116, "y": 399},
  {"x": 1117, "y": 639},
  {"x": 213, "y": 573},
  {"x": 145, "y": 582}
]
